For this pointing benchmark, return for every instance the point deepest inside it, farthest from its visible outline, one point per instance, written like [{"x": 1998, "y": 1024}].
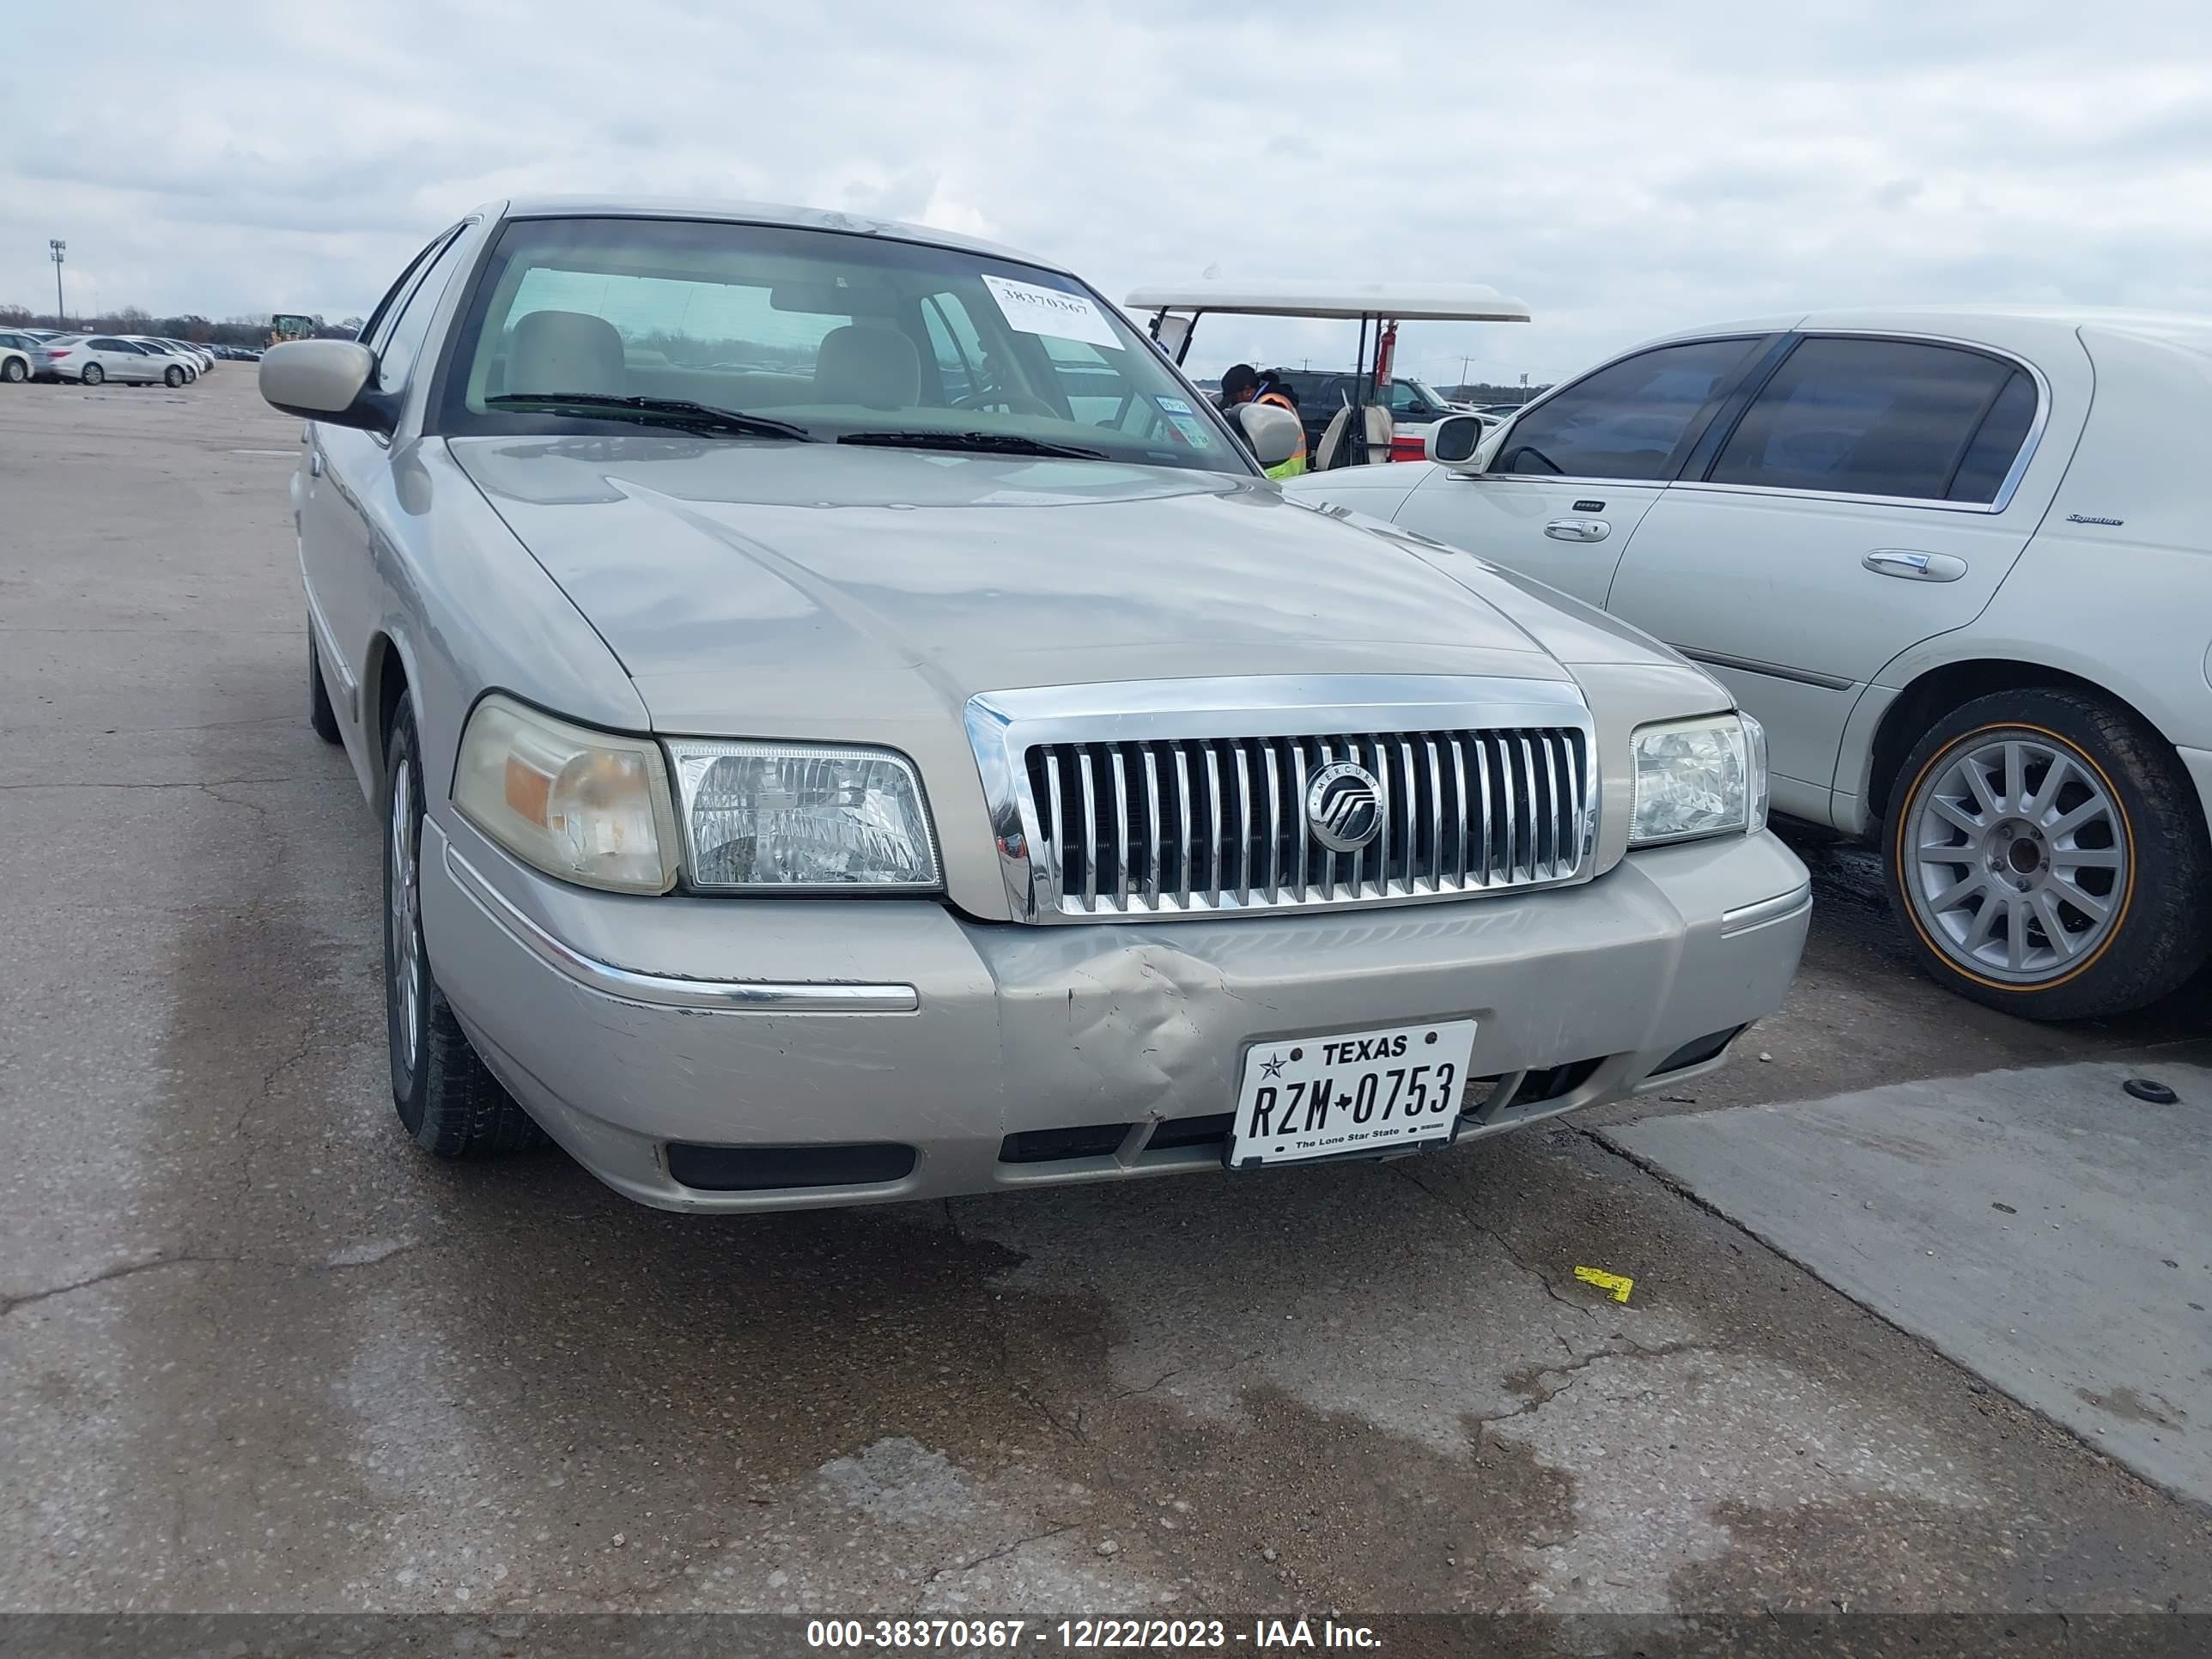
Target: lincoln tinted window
[
  {"x": 1625, "y": 420},
  {"x": 2004, "y": 429},
  {"x": 1882, "y": 417}
]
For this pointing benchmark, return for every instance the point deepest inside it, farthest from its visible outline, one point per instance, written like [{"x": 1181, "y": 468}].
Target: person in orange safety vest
[{"x": 1243, "y": 384}]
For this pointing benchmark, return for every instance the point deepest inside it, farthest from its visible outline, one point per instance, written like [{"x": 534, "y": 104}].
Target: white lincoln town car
[
  {"x": 1955, "y": 560},
  {"x": 849, "y": 722}
]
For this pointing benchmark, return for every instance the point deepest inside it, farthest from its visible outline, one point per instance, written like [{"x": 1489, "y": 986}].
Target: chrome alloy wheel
[
  {"x": 403, "y": 919},
  {"x": 2017, "y": 857}
]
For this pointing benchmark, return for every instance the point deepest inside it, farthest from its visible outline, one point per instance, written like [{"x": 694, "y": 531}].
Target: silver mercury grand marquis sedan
[{"x": 850, "y": 722}]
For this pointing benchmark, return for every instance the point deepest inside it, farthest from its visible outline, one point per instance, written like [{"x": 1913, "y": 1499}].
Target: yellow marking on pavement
[{"x": 1616, "y": 1286}]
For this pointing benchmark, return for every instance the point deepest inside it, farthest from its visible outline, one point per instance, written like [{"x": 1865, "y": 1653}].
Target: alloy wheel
[{"x": 2016, "y": 857}]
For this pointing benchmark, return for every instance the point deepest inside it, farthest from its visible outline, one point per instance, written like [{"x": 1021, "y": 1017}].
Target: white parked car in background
[
  {"x": 198, "y": 356},
  {"x": 90, "y": 359},
  {"x": 16, "y": 361},
  {"x": 1959, "y": 564},
  {"x": 182, "y": 356}
]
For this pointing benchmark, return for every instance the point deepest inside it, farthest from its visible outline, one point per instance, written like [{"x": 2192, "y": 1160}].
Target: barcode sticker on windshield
[{"x": 1037, "y": 310}]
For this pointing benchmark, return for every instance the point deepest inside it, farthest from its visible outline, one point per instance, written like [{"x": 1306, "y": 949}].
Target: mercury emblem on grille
[{"x": 1344, "y": 804}]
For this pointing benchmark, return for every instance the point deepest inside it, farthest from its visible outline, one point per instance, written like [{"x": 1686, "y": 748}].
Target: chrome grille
[
  {"x": 1170, "y": 826},
  {"x": 1166, "y": 798}
]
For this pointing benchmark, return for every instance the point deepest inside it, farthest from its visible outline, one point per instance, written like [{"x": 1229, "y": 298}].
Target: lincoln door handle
[
  {"x": 1914, "y": 567},
  {"x": 1578, "y": 530},
  {"x": 315, "y": 465}
]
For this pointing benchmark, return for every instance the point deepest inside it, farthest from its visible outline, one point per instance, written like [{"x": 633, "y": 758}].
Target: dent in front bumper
[{"x": 748, "y": 1031}]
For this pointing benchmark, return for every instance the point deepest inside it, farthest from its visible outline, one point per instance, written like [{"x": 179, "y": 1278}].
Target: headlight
[
  {"x": 797, "y": 815},
  {"x": 584, "y": 806},
  {"x": 1700, "y": 777}
]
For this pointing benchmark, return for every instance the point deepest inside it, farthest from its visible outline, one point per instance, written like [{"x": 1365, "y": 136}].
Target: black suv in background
[{"x": 1320, "y": 393}]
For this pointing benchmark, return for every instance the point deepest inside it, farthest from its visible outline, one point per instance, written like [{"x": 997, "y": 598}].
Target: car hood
[{"x": 792, "y": 588}]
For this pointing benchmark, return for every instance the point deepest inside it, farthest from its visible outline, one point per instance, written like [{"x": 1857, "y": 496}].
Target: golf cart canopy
[
  {"x": 1377, "y": 308},
  {"x": 1397, "y": 302}
]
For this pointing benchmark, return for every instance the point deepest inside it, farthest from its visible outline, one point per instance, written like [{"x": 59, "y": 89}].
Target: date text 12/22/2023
[{"x": 1085, "y": 1635}]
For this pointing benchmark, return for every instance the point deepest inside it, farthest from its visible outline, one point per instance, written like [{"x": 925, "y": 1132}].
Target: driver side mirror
[
  {"x": 1272, "y": 431},
  {"x": 1454, "y": 440},
  {"x": 327, "y": 381}
]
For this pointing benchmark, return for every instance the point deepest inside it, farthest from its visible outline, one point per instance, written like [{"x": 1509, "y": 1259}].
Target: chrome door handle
[
  {"x": 1578, "y": 530},
  {"x": 1914, "y": 567},
  {"x": 315, "y": 465}
]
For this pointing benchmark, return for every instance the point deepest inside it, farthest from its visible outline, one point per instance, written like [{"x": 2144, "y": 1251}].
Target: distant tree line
[
  {"x": 702, "y": 351},
  {"x": 253, "y": 331}
]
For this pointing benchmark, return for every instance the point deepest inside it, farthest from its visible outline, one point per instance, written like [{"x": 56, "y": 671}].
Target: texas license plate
[{"x": 1354, "y": 1093}]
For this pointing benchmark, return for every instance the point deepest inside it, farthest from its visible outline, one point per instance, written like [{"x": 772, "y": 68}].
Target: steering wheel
[{"x": 1014, "y": 403}]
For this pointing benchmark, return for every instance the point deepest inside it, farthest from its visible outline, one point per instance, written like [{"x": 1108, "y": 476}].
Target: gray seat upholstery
[
  {"x": 875, "y": 368},
  {"x": 1331, "y": 439},
  {"x": 565, "y": 351}
]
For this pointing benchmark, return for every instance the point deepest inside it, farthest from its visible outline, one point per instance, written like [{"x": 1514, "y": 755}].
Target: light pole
[{"x": 59, "y": 248}]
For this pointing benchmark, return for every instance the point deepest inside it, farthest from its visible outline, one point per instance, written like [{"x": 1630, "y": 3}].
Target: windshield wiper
[
  {"x": 656, "y": 411},
  {"x": 987, "y": 443}
]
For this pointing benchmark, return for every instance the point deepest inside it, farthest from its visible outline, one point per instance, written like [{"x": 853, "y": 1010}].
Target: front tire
[
  {"x": 94, "y": 374},
  {"x": 450, "y": 1104},
  {"x": 174, "y": 376},
  {"x": 13, "y": 372},
  {"x": 2046, "y": 857}
]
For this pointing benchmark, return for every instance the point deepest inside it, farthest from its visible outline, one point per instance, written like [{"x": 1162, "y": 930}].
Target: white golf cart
[{"x": 1349, "y": 439}]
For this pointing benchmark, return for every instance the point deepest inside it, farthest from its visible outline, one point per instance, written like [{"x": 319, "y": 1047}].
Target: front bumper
[{"x": 820, "y": 1023}]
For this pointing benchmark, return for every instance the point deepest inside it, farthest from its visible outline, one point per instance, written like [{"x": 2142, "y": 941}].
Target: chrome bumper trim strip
[
  {"x": 664, "y": 991},
  {"x": 1780, "y": 908}
]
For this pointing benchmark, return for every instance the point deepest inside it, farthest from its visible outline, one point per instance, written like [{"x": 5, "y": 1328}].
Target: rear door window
[
  {"x": 1906, "y": 419},
  {"x": 1628, "y": 420},
  {"x": 1988, "y": 459}
]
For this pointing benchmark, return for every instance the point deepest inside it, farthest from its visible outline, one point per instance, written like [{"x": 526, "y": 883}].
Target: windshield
[{"x": 837, "y": 333}]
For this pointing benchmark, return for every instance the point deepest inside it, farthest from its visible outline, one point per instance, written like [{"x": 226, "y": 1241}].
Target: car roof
[
  {"x": 2021, "y": 328},
  {"x": 751, "y": 213}
]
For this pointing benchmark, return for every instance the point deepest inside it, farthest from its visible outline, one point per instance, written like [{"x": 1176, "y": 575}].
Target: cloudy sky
[{"x": 1623, "y": 167}]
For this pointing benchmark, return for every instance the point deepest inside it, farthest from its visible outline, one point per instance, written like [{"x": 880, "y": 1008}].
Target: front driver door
[
  {"x": 1575, "y": 474},
  {"x": 343, "y": 466}
]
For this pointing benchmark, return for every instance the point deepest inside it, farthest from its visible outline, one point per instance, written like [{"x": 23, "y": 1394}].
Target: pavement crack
[
  {"x": 1186, "y": 1370},
  {"x": 253, "y": 1103},
  {"x": 1531, "y": 1382},
  {"x": 1003, "y": 1550},
  {"x": 1634, "y": 1350},
  {"x": 1500, "y": 1240},
  {"x": 108, "y": 1276},
  {"x": 208, "y": 784},
  {"x": 1036, "y": 1407},
  {"x": 131, "y": 1270},
  {"x": 1483, "y": 1420}
]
